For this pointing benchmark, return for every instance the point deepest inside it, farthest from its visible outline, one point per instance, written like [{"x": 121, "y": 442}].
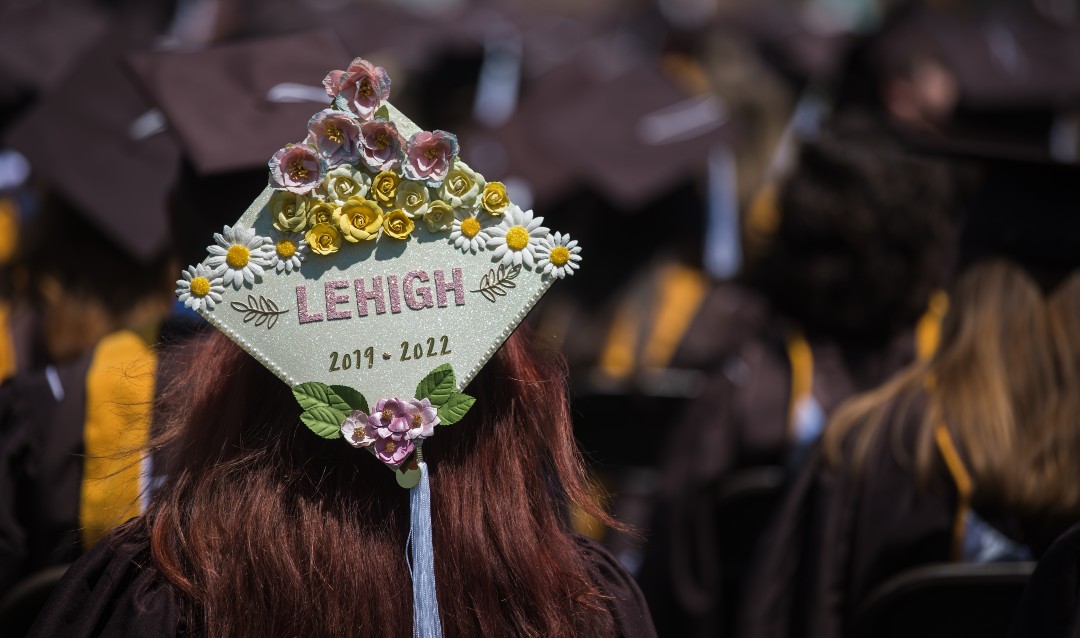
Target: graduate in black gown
[
  {"x": 860, "y": 246},
  {"x": 965, "y": 457}
]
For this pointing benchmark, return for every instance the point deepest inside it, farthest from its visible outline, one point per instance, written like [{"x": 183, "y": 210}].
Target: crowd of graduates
[{"x": 824, "y": 353}]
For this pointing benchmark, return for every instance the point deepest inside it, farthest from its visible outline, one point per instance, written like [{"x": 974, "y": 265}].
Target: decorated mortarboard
[
  {"x": 96, "y": 132},
  {"x": 376, "y": 274}
]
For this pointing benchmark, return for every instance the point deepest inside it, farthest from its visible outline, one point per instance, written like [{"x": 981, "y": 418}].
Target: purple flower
[
  {"x": 296, "y": 168},
  {"x": 380, "y": 144},
  {"x": 423, "y": 417},
  {"x": 393, "y": 449},
  {"x": 363, "y": 86},
  {"x": 390, "y": 416},
  {"x": 335, "y": 136},
  {"x": 429, "y": 156}
]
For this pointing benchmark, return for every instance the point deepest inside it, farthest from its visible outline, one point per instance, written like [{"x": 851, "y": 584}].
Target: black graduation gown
[
  {"x": 41, "y": 467},
  {"x": 116, "y": 591},
  {"x": 836, "y": 537},
  {"x": 740, "y": 420},
  {"x": 1051, "y": 603}
]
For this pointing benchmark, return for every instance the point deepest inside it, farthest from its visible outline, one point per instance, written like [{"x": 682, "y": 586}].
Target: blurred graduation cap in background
[
  {"x": 229, "y": 108},
  {"x": 38, "y": 44},
  {"x": 96, "y": 142}
]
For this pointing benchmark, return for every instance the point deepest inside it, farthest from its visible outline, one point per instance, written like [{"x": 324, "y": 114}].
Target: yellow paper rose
[
  {"x": 320, "y": 212},
  {"x": 323, "y": 239},
  {"x": 494, "y": 199},
  {"x": 412, "y": 197},
  {"x": 384, "y": 187},
  {"x": 398, "y": 225},
  {"x": 359, "y": 219},
  {"x": 344, "y": 182},
  {"x": 290, "y": 211},
  {"x": 439, "y": 216},
  {"x": 461, "y": 186}
]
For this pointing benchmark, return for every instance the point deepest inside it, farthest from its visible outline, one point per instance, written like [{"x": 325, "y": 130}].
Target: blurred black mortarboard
[
  {"x": 1010, "y": 58},
  {"x": 38, "y": 44},
  {"x": 231, "y": 108},
  {"x": 96, "y": 142},
  {"x": 636, "y": 136}
]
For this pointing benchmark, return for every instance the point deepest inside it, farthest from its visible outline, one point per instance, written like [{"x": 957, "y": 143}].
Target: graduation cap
[
  {"x": 1011, "y": 58},
  {"x": 228, "y": 107},
  {"x": 376, "y": 275},
  {"x": 38, "y": 45},
  {"x": 634, "y": 136},
  {"x": 97, "y": 143}
]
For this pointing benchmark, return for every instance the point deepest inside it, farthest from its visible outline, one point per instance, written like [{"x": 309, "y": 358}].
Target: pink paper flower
[
  {"x": 380, "y": 145},
  {"x": 335, "y": 136},
  {"x": 423, "y": 417},
  {"x": 429, "y": 155},
  {"x": 296, "y": 168},
  {"x": 363, "y": 86},
  {"x": 390, "y": 416},
  {"x": 394, "y": 449}
]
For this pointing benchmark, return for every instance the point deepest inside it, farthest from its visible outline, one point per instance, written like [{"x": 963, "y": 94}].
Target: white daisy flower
[
  {"x": 288, "y": 252},
  {"x": 468, "y": 232},
  {"x": 240, "y": 256},
  {"x": 199, "y": 288},
  {"x": 517, "y": 237},
  {"x": 558, "y": 255}
]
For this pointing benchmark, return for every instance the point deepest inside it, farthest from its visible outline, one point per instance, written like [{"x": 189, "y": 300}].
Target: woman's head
[
  {"x": 1001, "y": 382},
  {"x": 861, "y": 237},
  {"x": 260, "y": 518}
]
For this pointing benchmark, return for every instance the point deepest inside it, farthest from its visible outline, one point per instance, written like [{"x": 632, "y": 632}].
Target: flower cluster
[
  {"x": 355, "y": 179},
  {"x": 394, "y": 427}
]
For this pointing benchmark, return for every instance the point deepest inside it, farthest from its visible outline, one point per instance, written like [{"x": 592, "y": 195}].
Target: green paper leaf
[
  {"x": 455, "y": 408},
  {"x": 353, "y": 398},
  {"x": 383, "y": 112},
  {"x": 314, "y": 394},
  {"x": 324, "y": 421},
  {"x": 438, "y": 385}
]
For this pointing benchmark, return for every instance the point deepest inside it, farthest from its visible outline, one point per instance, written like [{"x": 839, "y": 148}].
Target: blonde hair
[{"x": 1000, "y": 382}]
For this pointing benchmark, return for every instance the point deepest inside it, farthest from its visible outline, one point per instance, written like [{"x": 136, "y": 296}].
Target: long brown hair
[
  {"x": 268, "y": 530},
  {"x": 998, "y": 384}
]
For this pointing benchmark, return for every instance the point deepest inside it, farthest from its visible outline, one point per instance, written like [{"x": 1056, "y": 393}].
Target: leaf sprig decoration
[
  {"x": 327, "y": 406},
  {"x": 498, "y": 282},
  {"x": 262, "y": 310},
  {"x": 438, "y": 387}
]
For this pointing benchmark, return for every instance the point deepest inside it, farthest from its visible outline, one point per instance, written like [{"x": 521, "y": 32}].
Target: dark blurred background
[{"x": 775, "y": 199}]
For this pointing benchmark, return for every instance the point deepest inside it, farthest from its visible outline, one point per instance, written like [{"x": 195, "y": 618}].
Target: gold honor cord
[
  {"x": 680, "y": 291},
  {"x": 928, "y": 329},
  {"x": 7, "y": 343},
  {"x": 963, "y": 483},
  {"x": 119, "y": 393},
  {"x": 801, "y": 358}
]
